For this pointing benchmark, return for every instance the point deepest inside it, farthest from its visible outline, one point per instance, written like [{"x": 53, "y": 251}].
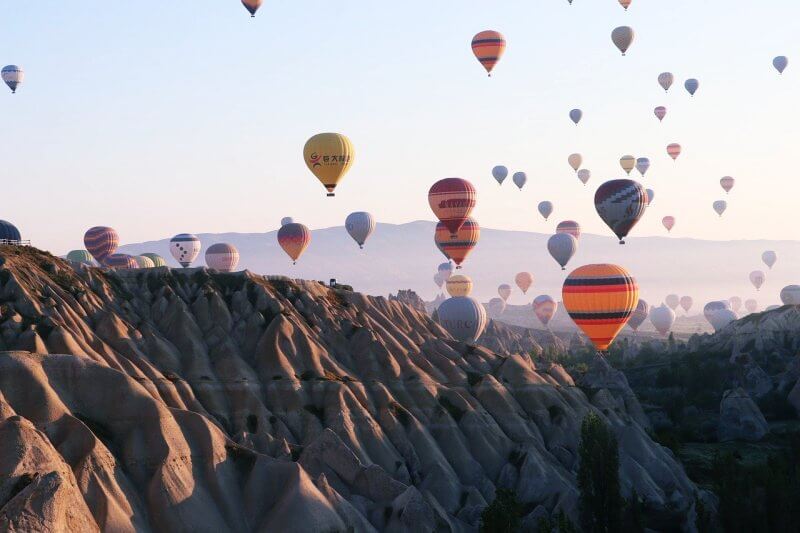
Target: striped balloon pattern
[
  {"x": 544, "y": 307},
  {"x": 621, "y": 204},
  {"x": 80, "y": 256},
  {"x": 101, "y": 242},
  {"x": 463, "y": 317},
  {"x": 504, "y": 291},
  {"x": 600, "y": 299},
  {"x": 143, "y": 262},
  {"x": 459, "y": 285},
  {"x": 488, "y": 47},
  {"x": 660, "y": 112},
  {"x": 639, "y": 315},
  {"x": 668, "y": 222},
  {"x": 157, "y": 260},
  {"x": 185, "y": 248},
  {"x": 457, "y": 249},
  {"x": 360, "y": 226},
  {"x": 294, "y": 238},
  {"x": 452, "y": 200},
  {"x": 13, "y": 76},
  {"x": 524, "y": 280},
  {"x": 222, "y": 256},
  {"x": 121, "y": 262},
  {"x": 569, "y": 226}
]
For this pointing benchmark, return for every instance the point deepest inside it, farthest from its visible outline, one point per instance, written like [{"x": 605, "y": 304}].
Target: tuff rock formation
[
  {"x": 174, "y": 400},
  {"x": 740, "y": 418}
]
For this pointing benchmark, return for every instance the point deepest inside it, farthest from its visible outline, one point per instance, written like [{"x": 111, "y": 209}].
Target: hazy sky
[{"x": 158, "y": 117}]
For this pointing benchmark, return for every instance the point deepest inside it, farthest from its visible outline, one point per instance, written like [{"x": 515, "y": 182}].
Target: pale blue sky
[{"x": 159, "y": 117}]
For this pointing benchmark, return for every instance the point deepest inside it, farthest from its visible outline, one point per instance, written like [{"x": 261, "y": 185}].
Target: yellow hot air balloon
[
  {"x": 627, "y": 162},
  {"x": 329, "y": 157},
  {"x": 459, "y": 285}
]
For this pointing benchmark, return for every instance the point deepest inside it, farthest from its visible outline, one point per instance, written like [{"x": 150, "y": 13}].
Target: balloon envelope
[
  {"x": 639, "y": 315},
  {"x": 686, "y": 303},
  {"x": 329, "y": 156},
  {"x": 668, "y": 222},
  {"x": 488, "y": 47},
  {"x": 101, "y": 242},
  {"x": 445, "y": 270},
  {"x": 504, "y": 291},
  {"x": 621, "y": 204},
  {"x": 665, "y": 79},
  {"x": 252, "y": 6},
  {"x": 457, "y": 249},
  {"x": 121, "y": 262},
  {"x": 80, "y": 256},
  {"x": 157, "y": 260},
  {"x": 452, "y": 200},
  {"x": 438, "y": 279},
  {"x": 519, "y": 179},
  {"x": 544, "y": 307},
  {"x": 736, "y": 303},
  {"x": 642, "y": 164},
  {"x": 575, "y": 161},
  {"x": 769, "y": 257},
  {"x": 524, "y": 280},
  {"x": 222, "y": 256},
  {"x": 13, "y": 76},
  {"x": 294, "y": 238},
  {"x": 496, "y": 306},
  {"x": 780, "y": 63},
  {"x": 651, "y": 195},
  {"x": 757, "y": 278},
  {"x": 660, "y": 112},
  {"x": 546, "y": 209},
  {"x": 622, "y": 37},
  {"x": 672, "y": 301},
  {"x": 722, "y": 318},
  {"x": 600, "y": 299},
  {"x": 562, "y": 246},
  {"x": 500, "y": 173},
  {"x": 691, "y": 85},
  {"x": 575, "y": 115},
  {"x": 751, "y": 305},
  {"x": 627, "y": 162},
  {"x": 569, "y": 226},
  {"x": 790, "y": 295},
  {"x": 463, "y": 317},
  {"x": 286, "y": 220},
  {"x": 360, "y": 226},
  {"x": 727, "y": 183},
  {"x": 584, "y": 174},
  {"x": 720, "y": 206},
  {"x": 662, "y": 318},
  {"x": 459, "y": 285},
  {"x": 143, "y": 261},
  {"x": 674, "y": 150},
  {"x": 185, "y": 248}
]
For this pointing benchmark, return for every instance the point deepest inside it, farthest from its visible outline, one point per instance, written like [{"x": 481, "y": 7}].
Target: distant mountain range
[{"x": 403, "y": 256}]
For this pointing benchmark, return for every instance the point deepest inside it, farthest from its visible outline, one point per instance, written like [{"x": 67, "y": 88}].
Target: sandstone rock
[{"x": 740, "y": 418}]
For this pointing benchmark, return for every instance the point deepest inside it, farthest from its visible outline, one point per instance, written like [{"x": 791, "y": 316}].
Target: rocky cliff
[{"x": 175, "y": 400}]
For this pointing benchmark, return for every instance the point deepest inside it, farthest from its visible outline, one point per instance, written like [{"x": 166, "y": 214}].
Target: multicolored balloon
[
  {"x": 569, "y": 226},
  {"x": 686, "y": 303},
  {"x": 13, "y": 76},
  {"x": 504, "y": 290},
  {"x": 622, "y": 37},
  {"x": 769, "y": 257},
  {"x": 790, "y": 295},
  {"x": 546, "y": 209},
  {"x": 452, "y": 200},
  {"x": 463, "y": 318},
  {"x": 459, "y": 285},
  {"x": 252, "y": 6},
  {"x": 621, "y": 204},
  {"x": 458, "y": 248},
  {"x": 329, "y": 156},
  {"x": 143, "y": 261},
  {"x": 575, "y": 161},
  {"x": 639, "y": 315},
  {"x": 524, "y": 281},
  {"x": 720, "y": 206},
  {"x": 665, "y": 79},
  {"x": 488, "y": 47},
  {"x": 500, "y": 173},
  {"x": 185, "y": 248},
  {"x": 668, "y": 222},
  {"x": 519, "y": 179},
  {"x": 575, "y": 115},
  {"x": 691, "y": 86},
  {"x": 544, "y": 307},
  {"x": 222, "y": 256},
  {"x": 627, "y": 162},
  {"x": 101, "y": 242},
  {"x": 727, "y": 183},
  {"x": 642, "y": 165},
  {"x": 662, "y": 318},
  {"x": 584, "y": 174},
  {"x": 600, "y": 299},
  {"x": 121, "y": 262},
  {"x": 672, "y": 301},
  {"x": 360, "y": 226},
  {"x": 780, "y": 63},
  {"x": 157, "y": 260},
  {"x": 660, "y": 112},
  {"x": 294, "y": 238},
  {"x": 562, "y": 246},
  {"x": 674, "y": 150},
  {"x": 80, "y": 256},
  {"x": 757, "y": 278}
]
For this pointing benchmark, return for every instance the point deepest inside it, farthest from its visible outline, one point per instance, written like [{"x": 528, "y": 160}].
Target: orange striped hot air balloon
[
  {"x": 488, "y": 46},
  {"x": 452, "y": 200},
  {"x": 600, "y": 299},
  {"x": 457, "y": 249},
  {"x": 294, "y": 238}
]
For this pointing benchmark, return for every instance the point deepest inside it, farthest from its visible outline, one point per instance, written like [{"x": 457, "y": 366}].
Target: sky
[{"x": 159, "y": 117}]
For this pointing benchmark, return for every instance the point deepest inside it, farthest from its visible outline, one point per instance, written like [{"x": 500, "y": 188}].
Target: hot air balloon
[
  {"x": 622, "y": 37},
  {"x": 639, "y": 315},
  {"x": 712, "y": 308},
  {"x": 790, "y": 295},
  {"x": 9, "y": 234},
  {"x": 660, "y": 112},
  {"x": 757, "y": 278},
  {"x": 488, "y": 47},
  {"x": 438, "y": 280},
  {"x": 751, "y": 305},
  {"x": 544, "y": 307},
  {"x": 445, "y": 270},
  {"x": 329, "y": 156},
  {"x": 459, "y": 285},
  {"x": 769, "y": 257},
  {"x": 720, "y": 206},
  {"x": 101, "y": 241},
  {"x": 600, "y": 299},
  {"x": 686, "y": 303},
  {"x": 691, "y": 86},
  {"x": 642, "y": 164},
  {"x": 157, "y": 260},
  {"x": 620, "y": 203},
  {"x": 504, "y": 291},
  {"x": 722, "y": 318},
  {"x": 727, "y": 183},
  {"x": 674, "y": 150},
  {"x": 294, "y": 238},
  {"x": 665, "y": 79},
  {"x": 121, "y": 262},
  {"x": 143, "y": 261},
  {"x": 625, "y": 3},
  {"x": 575, "y": 115},
  {"x": 780, "y": 63},
  {"x": 519, "y": 179},
  {"x": 668, "y": 222},
  {"x": 457, "y": 249},
  {"x": 463, "y": 318},
  {"x": 651, "y": 195},
  {"x": 80, "y": 256},
  {"x": 575, "y": 161},
  {"x": 735, "y": 302},
  {"x": 13, "y": 76},
  {"x": 286, "y": 220},
  {"x": 222, "y": 256},
  {"x": 452, "y": 200},
  {"x": 569, "y": 226},
  {"x": 672, "y": 301},
  {"x": 546, "y": 209},
  {"x": 360, "y": 226},
  {"x": 500, "y": 173},
  {"x": 627, "y": 162},
  {"x": 524, "y": 280},
  {"x": 252, "y": 6},
  {"x": 185, "y": 248},
  {"x": 662, "y": 318},
  {"x": 584, "y": 174},
  {"x": 496, "y": 306},
  {"x": 562, "y": 246}
]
